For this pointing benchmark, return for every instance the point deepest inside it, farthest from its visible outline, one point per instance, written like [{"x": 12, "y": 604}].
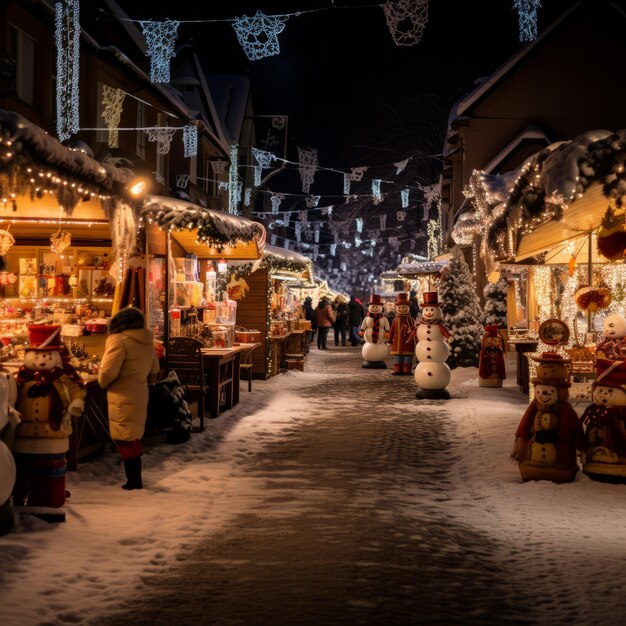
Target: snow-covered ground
[{"x": 564, "y": 543}]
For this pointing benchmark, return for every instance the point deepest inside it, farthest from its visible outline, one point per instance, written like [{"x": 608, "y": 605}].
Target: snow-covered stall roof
[
  {"x": 421, "y": 268},
  {"x": 30, "y": 153},
  {"x": 279, "y": 260},
  {"x": 563, "y": 192},
  {"x": 205, "y": 232}
]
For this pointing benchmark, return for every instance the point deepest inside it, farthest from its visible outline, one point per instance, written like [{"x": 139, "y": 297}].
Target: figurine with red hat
[
  {"x": 49, "y": 395},
  {"x": 375, "y": 330},
  {"x": 432, "y": 374},
  {"x": 402, "y": 336},
  {"x": 545, "y": 440},
  {"x": 491, "y": 370},
  {"x": 603, "y": 440}
]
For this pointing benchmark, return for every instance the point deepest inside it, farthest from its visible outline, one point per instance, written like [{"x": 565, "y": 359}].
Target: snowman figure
[
  {"x": 374, "y": 330},
  {"x": 545, "y": 440},
  {"x": 491, "y": 370},
  {"x": 432, "y": 375},
  {"x": 613, "y": 344},
  {"x": 50, "y": 393},
  {"x": 9, "y": 419},
  {"x": 603, "y": 440}
]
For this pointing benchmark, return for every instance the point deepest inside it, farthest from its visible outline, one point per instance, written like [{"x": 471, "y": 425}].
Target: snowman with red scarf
[
  {"x": 432, "y": 374},
  {"x": 374, "y": 329},
  {"x": 50, "y": 394}
]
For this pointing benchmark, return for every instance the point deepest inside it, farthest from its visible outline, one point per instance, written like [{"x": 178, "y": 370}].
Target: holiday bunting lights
[
  {"x": 527, "y": 11},
  {"x": 258, "y": 35},
  {"x": 160, "y": 41},
  {"x": 67, "y": 39}
]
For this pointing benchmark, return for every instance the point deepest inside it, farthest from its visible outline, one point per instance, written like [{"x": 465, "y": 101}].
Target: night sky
[{"x": 353, "y": 94}]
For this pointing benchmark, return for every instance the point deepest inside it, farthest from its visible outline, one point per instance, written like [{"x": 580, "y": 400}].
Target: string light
[
  {"x": 160, "y": 43},
  {"x": 233, "y": 178},
  {"x": 190, "y": 141},
  {"x": 112, "y": 103},
  {"x": 258, "y": 35},
  {"x": 307, "y": 167},
  {"x": 527, "y": 11}
]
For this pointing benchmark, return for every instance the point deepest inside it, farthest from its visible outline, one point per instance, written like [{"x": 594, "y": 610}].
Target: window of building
[{"x": 23, "y": 50}]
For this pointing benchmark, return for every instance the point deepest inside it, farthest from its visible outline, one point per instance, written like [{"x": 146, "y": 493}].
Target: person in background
[
  {"x": 414, "y": 307},
  {"x": 355, "y": 318},
  {"x": 363, "y": 314},
  {"x": 342, "y": 318},
  {"x": 128, "y": 361},
  {"x": 325, "y": 318},
  {"x": 309, "y": 315}
]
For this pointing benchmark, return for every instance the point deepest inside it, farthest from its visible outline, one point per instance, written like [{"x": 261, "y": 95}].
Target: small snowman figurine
[
  {"x": 491, "y": 370},
  {"x": 603, "y": 440},
  {"x": 432, "y": 374},
  {"x": 9, "y": 419},
  {"x": 374, "y": 330},
  {"x": 545, "y": 440},
  {"x": 613, "y": 344},
  {"x": 402, "y": 337},
  {"x": 49, "y": 395}
]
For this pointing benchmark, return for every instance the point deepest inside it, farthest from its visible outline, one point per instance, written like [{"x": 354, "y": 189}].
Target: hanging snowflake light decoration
[
  {"x": 307, "y": 167},
  {"x": 401, "y": 216},
  {"x": 312, "y": 201},
  {"x": 60, "y": 241},
  {"x": 356, "y": 175},
  {"x": 190, "y": 141},
  {"x": 160, "y": 41},
  {"x": 346, "y": 183},
  {"x": 233, "y": 179},
  {"x": 182, "y": 180},
  {"x": 406, "y": 20},
  {"x": 527, "y": 11},
  {"x": 163, "y": 137},
  {"x": 247, "y": 194},
  {"x": 359, "y": 224},
  {"x": 112, "y": 101},
  {"x": 404, "y": 194},
  {"x": 376, "y": 188},
  {"x": 219, "y": 167},
  {"x": 333, "y": 249},
  {"x": 7, "y": 241},
  {"x": 383, "y": 221},
  {"x": 67, "y": 40},
  {"x": 258, "y": 35},
  {"x": 276, "y": 200}
]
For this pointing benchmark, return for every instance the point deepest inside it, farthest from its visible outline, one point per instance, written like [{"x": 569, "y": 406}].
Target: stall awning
[
  {"x": 287, "y": 263},
  {"x": 580, "y": 218},
  {"x": 207, "y": 233}
]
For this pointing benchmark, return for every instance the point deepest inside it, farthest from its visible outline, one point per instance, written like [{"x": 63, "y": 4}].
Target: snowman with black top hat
[
  {"x": 374, "y": 330},
  {"x": 432, "y": 374}
]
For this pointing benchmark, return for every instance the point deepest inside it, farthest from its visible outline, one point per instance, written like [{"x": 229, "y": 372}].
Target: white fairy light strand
[
  {"x": 160, "y": 43},
  {"x": 163, "y": 136},
  {"x": 67, "y": 39},
  {"x": 406, "y": 20},
  {"x": 307, "y": 167},
  {"x": 404, "y": 194},
  {"x": 190, "y": 141},
  {"x": 112, "y": 103},
  {"x": 233, "y": 178}
]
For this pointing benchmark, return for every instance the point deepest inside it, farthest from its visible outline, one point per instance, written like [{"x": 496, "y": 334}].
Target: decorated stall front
[{"x": 268, "y": 305}]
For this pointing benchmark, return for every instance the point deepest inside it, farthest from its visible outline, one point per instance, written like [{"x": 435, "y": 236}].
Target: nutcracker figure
[
  {"x": 491, "y": 370},
  {"x": 402, "y": 337},
  {"x": 603, "y": 439},
  {"x": 545, "y": 440},
  {"x": 49, "y": 395}
]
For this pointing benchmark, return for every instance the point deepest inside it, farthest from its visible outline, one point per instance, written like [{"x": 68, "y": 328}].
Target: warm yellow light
[
  {"x": 138, "y": 188},
  {"x": 222, "y": 266}
]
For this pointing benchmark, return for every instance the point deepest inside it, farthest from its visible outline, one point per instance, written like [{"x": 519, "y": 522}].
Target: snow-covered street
[{"x": 330, "y": 496}]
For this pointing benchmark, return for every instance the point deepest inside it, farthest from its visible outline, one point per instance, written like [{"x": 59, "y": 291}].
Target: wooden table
[
  {"x": 279, "y": 351},
  {"x": 222, "y": 370}
]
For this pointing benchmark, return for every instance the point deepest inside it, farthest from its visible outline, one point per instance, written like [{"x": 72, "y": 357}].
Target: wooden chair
[
  {"x": 245, "y": 367},
  {"x": 184, "y": 356}
]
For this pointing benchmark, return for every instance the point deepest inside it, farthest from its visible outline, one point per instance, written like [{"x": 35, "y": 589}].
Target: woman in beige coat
[{"x": 129, "y": 359}]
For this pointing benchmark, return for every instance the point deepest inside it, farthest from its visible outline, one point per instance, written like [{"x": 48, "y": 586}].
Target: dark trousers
[
  {"x": 343, "y": 336},
  {"x": 322, "y": 336},
  {"x": 355, "y": 340}
]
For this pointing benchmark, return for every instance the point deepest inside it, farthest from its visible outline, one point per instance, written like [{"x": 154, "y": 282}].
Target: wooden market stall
[{"x": 269, "y": 306}]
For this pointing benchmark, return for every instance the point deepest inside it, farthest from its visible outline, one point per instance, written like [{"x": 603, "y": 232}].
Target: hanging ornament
[
  {"x": 246, "y": 196},
  {"x": 304, "y": 216},
  {"x": 7, "y": 241},
  {"x": 590, "y": 299},
  {"x": 60, "y": 241},
  {"x": 611, "y": 235},
  {"x": 383, "y": 221},
  {"x": 222, "y": 185},
  {"x": 233, "y": 180},
  {"x": 257, "y": 175},
  {"x": 67, "y": 40},
  {"x": 432, "y": 193},
  {"x": 298, "y": 231},
  {"x": 333, "y": 249},
  {"x": 357, "y": 173},
  {"x": 316, "y": 233},
  {"x": 527, "y": 11},
  {"x": 307, "y": 167},
  {"x": 572, "y": 265},
  {"x": 182, "y": 180},
  {"x": 160, "y": 43},
  {"x": 404, "y": 195},
  {"x": 276, "y": 199},
  {"x": 112, "y": 101},
  {"x": 346, "y": 183},
  {"x": 376, "y": 188},
  {"x": 406, "y": 20},
  {"x": 190, "y": 141},
  {"x": 401, "y": 216},
  {"x": 312, "y": 201},
  {"x": 258, "y": 35},
  {"x": 400, "y": 165},
  {"x": 7, "y": 278},
  {"x": 219, "y": 167},
  {"x": 163, "y": 137},
  {"x": 359, "y": 224}
]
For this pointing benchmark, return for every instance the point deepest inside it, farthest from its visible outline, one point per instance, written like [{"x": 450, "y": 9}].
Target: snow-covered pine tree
[
  {"x": 462, "y": 315},
  {"x": 495, "y": 303}
]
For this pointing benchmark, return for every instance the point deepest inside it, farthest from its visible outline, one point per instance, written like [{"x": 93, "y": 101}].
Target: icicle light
[
  {"x": 112, "y": 102},
  {"x": 404, "y": 194},
  {"x": 67, "y": 39},
  {"x": 376, "y": 188},
  {"x": 527, "y": 11},
  {"x": 190, "y": 140},
  {"x": 233, "y": 178}
]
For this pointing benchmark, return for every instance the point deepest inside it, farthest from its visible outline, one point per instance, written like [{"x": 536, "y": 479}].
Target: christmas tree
[
  {"x": 461, "y": 310},
  {"x": 495, "y": 303}
]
